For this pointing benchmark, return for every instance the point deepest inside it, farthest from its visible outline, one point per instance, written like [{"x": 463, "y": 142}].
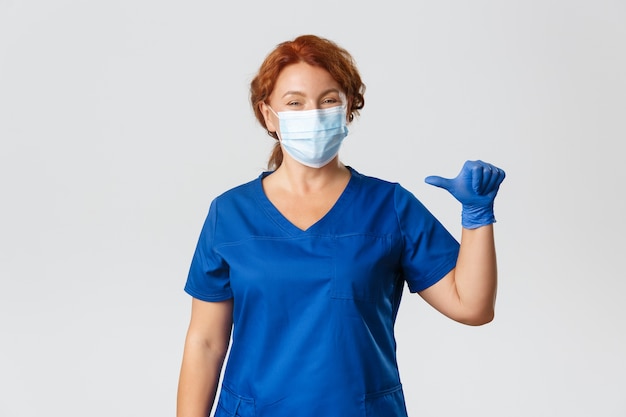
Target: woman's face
[{"x": 301, "y": 87}]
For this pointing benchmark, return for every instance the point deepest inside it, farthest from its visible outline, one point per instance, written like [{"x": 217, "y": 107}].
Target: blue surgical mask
[{"x": 312, "y": 137}]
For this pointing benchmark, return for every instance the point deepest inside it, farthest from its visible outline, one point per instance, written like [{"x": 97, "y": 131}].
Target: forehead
[{"x": 304, "y": 78}]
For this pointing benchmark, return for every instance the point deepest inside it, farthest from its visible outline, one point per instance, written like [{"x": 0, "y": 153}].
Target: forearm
[
  {"x": 476, "y": 274},
  {"x": 199, "y": 377}
]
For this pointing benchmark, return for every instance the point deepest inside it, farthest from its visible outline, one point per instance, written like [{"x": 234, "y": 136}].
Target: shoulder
[
  {"x": 391, "y": 194},
  {"x": 233, "y": 209},
  {"x": 381, "y": 186},
  {"x": 372, "y": 182},
  {"x": 244, "y": 191}
]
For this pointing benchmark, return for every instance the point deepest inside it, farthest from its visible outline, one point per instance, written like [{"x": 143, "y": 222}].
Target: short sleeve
[
  {"x": 208, "y": 277},
  {"x": 429, "y": 250}
]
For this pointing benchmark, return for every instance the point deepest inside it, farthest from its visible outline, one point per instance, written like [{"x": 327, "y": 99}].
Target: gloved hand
[{"x": 475, "y": 187}]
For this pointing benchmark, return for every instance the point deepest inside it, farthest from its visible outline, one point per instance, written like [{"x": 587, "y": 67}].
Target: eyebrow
[{"x": 300, "y": 93}]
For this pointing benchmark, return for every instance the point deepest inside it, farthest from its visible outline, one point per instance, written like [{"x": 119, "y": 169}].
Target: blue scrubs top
[{"x": 314, "y": 310}]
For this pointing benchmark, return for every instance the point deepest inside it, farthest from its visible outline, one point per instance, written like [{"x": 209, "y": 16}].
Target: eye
[
  {"x": 293, "y": 103},
  {"x": 331, "y": 100}
]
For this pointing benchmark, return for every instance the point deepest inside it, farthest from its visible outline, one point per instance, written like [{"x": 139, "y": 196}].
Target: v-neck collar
[{"x": 270, "y": 209}]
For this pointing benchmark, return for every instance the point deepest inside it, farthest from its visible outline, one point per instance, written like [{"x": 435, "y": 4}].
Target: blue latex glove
[{"x": 475, "y": 187}]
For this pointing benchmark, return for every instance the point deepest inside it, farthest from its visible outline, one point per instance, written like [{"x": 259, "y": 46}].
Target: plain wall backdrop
[{"x": 121, "y": 120}]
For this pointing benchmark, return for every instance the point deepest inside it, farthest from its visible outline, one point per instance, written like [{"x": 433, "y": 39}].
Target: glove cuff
[{"x": 473, "y": 217}]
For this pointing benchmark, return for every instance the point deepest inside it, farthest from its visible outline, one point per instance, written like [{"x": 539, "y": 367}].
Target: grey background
[{"x": 121, "y": 120}]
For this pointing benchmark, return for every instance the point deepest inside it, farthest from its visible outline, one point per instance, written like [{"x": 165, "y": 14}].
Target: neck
[{"x": 301, "y": 179}]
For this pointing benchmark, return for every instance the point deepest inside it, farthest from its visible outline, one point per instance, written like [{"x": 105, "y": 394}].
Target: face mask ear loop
[
  {"x": 277, "y": 116},
  {"x": 271, "y": 109}
]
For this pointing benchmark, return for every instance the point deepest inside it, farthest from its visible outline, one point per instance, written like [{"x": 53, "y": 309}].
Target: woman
[{"x": 307, "y": 263}]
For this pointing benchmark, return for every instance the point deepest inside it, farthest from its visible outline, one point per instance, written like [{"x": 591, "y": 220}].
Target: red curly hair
[{"x": 315, "y": 51}]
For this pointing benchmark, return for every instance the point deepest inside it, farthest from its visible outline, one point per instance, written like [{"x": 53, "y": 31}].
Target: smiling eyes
[{"x": 326, "y": 102}]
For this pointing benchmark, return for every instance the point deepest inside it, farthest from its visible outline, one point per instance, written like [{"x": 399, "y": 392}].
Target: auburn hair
[{"x": 315, "y": 51}]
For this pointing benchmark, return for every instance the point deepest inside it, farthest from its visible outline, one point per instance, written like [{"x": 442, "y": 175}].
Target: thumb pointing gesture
[{"x": 475, "y": 187}]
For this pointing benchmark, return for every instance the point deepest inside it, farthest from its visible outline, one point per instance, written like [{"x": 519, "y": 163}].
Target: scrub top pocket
[
  {"x": 233, "y": 405},
  {"x": 363, "y": 267},
  {"x": 388, "y": 403}
]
